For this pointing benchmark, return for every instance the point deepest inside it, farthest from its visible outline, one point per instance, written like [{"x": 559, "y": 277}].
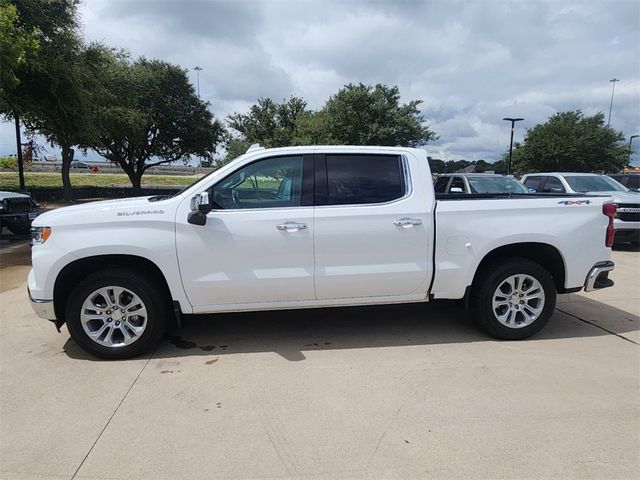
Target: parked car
[
  {"x": 472, "y": 183},
  {"x": 629, "y": 180},
  {"x": 627, "y": 221},
  {"x": 17, "y": 210},
  {"x": 302, "y": 227},
  {"x": 80, "y": 166}
]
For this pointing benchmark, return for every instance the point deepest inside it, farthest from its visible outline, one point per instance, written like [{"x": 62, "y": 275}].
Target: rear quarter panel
[{"x": 468, "y": 230}]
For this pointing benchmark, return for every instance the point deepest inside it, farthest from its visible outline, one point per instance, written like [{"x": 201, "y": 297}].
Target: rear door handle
[
  {"x": 291, "y": 226},
  {"x": 407, "y": 222}
]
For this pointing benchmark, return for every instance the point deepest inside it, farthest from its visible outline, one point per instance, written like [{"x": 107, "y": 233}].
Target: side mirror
[
  {"x": 455, "y": 190},
  {"x": 200, "y": 206},
  {"x": 533, "y": 190}
]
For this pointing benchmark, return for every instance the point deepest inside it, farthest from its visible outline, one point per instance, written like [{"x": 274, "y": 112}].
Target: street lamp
[
  {"x": 198, "y": 69},
  {"x": 513, "y": 122},
  {"x": 631, "y": 140},
  {"x": 613, "y": 80}
]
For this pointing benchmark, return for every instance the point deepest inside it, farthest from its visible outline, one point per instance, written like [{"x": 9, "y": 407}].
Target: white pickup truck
[{"x": 312, "y": 227}]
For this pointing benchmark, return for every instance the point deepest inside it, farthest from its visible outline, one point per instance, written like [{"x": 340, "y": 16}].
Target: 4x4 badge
[{"x": 575, "y": 202}]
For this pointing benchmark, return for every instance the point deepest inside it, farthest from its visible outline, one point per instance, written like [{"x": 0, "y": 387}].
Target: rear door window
[
  {"x": 536, "y": 183},
  {"x": 553, "y": 185},
  {"x": 364, "y": 179}
]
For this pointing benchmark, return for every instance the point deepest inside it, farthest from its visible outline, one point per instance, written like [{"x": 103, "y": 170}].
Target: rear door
[{"x": 372, "y": 226}]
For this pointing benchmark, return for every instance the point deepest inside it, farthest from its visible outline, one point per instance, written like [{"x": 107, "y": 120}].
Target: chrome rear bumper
[{"x": 598, "y": 276}]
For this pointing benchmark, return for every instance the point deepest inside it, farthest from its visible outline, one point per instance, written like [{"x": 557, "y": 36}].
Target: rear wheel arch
[
  {"x": 80, "y": 269},
  {"x": 545, "y": 255}
]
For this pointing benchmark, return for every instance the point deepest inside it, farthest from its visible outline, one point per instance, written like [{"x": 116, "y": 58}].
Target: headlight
[{"x": 39, "y": 235}]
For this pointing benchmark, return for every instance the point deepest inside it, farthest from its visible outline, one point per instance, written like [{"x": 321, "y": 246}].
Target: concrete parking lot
[{"x": 410, "y": 391}]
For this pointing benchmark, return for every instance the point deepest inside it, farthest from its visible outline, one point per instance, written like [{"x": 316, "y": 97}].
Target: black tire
[
  {"x": 149, "y": 291},
  {"x": 487, "y": 282},
  {"x": 20, "y": 229}
]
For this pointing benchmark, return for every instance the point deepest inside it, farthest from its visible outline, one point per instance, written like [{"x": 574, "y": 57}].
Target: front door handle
[
  {"x": 407, "y": 222},
  {"x": 291, "y": 226}
]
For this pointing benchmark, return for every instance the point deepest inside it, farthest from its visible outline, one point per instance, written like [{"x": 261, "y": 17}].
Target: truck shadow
[{"x": 290, "y": 333}]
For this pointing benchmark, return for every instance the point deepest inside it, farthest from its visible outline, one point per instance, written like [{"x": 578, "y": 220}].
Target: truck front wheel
[
  {"x": 116, "y": 314},
  {"x": 513, "y": 299}
]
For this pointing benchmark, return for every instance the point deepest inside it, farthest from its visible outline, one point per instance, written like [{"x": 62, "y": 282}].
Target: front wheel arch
[{"x": 80, "y": 269}]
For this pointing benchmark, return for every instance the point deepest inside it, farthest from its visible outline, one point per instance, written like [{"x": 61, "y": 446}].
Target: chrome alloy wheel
[
  {"x": 113, "y": 316},
  {"x": 518, "y": 301}
]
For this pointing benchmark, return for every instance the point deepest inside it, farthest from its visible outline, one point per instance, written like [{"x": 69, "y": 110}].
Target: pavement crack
[
  {"x": 113, "y": 414},
  {"x": 597, "y": 326}
]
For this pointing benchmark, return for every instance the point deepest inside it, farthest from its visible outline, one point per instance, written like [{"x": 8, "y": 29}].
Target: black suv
[{"x": 16, "y": 212}]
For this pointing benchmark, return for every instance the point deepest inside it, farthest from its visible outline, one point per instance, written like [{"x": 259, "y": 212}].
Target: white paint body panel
[
  {"x": 576, "y": 231},
  {"x": 347, "y": 255},
  {"x": 240, "y": 257},
  {"x": 361, "y": 253}
]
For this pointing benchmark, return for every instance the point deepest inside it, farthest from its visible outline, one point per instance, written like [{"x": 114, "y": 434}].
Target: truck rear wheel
[
  {"x": 116, "y": 314},
  {"x": 513, "y": 299}
]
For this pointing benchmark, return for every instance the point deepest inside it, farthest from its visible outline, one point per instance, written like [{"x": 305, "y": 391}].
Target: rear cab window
[
  {"x": 457, "y": 182},
  {"x": 441, "y": 184}
]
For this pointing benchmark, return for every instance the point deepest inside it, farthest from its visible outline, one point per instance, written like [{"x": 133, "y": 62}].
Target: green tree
[
  {"x": 235, "y": 147},
  {"x": 60, "y": 94},
  {"x": 18, "y": 43},
  {"x": 33, "y": 37},
  {"x": 150, "y": 115},
  {"x": 269, "y": 123},
  {"x": 570, "y": 141},
  {"x": 452, "y": 166},
  {"x": 365, "y": 115},
  {"x": 436, "y": 165},
  {"x": 499, "y": 166}
]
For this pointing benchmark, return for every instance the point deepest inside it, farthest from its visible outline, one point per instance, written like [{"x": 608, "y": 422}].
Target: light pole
[
  {"x": 198, "y": 69},
  {"x": 513, "y": 122},
  {"x": 631, "y": 140},
  {"x": 613, "y": 80}
]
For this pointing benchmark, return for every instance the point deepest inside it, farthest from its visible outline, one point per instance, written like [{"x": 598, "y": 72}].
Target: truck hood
[
  {"x": 4, "y": 195},
  {"x": 137, "y": 207},
  {"x": 620, "y": 197}
]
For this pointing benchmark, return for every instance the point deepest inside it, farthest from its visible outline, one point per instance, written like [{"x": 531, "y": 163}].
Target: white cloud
[{"x": 471, "y": 62}]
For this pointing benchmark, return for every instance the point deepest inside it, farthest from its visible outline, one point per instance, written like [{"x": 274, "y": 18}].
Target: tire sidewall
[
  {"x": 148, "y": 293},
  {"x": 490, "y": 282}
]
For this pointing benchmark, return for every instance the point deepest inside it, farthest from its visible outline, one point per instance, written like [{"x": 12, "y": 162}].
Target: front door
[
  {"x": 257, "y": 244},
  {"x": 371, "y": 227}
]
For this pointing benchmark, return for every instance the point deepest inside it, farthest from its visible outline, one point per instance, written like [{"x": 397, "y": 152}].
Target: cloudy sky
[{"x": 470, "y": 62}]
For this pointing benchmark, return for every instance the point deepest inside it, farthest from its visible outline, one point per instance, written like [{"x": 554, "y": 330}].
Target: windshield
[
  {"x": 496, "y": 185},
  {"x": 594, "y": 183}
]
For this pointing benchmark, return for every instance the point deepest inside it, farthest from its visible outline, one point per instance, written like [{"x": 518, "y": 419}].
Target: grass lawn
[{"x": 35, "y": 180}]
